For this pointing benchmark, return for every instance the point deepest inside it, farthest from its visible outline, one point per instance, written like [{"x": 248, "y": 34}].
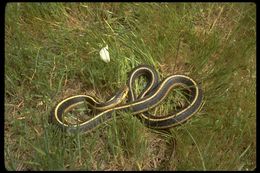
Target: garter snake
[{"x": 153, "y": 94}]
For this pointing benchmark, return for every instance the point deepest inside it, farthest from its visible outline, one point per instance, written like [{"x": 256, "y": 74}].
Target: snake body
[{"x": 152, "y": 95}]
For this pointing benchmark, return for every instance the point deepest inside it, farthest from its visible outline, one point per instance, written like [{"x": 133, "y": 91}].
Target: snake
[{"x": 126, "y": 100}]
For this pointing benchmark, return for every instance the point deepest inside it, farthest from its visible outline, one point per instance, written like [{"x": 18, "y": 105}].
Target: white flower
[{"x": 104, "y": 54}]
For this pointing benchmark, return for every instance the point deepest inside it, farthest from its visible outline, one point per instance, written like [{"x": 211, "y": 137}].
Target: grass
[{"x": 52, "y": 51}]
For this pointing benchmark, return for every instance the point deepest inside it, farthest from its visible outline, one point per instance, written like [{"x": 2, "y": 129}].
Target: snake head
[{"x": 123, "y": 93}]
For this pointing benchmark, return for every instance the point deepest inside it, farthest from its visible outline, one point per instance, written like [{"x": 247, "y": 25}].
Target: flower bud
[{"x": 104, "y": 54}]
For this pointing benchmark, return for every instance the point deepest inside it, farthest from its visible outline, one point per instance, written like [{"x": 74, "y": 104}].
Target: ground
[{"x": 52, "y": 52}]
